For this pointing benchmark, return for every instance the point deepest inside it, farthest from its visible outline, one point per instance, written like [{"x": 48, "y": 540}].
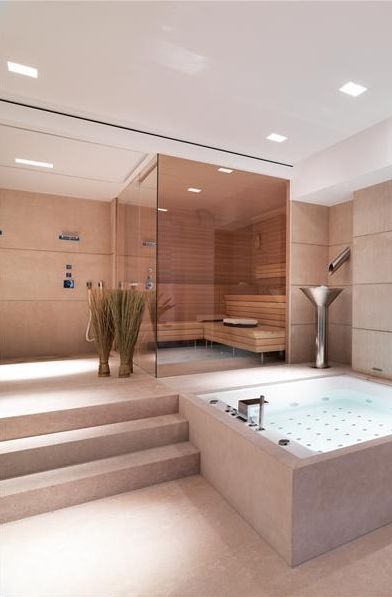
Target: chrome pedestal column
[{"x": 321, "y": 297}]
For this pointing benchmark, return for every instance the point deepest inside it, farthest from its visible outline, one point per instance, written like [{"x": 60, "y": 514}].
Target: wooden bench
[
  {"x": 177, "y": 331},
  {"x": 268, "y": 336},
  {"x": 261, "y": 339}
]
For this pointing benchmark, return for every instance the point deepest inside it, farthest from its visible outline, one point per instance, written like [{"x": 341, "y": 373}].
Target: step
[
  {"x": 64, "y": 418},
  {"x": 50, "y": 490},
  {"x": 44, "y": 452}
]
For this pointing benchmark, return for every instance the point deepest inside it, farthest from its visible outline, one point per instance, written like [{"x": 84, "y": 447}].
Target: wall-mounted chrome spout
[{"x": 339, "y": 260}]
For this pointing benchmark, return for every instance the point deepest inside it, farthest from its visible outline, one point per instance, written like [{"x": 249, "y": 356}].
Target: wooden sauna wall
[
  {"x": 233, "y": 265},
  {"x": 243, "y": 260},
  {"x": 186, "y": 263},
  {"x": 272, "y": 251},
  {"x": 198, "y": 264}
]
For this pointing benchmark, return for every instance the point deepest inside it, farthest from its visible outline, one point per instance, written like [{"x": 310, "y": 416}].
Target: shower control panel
[{"x": 69, "y": 282}]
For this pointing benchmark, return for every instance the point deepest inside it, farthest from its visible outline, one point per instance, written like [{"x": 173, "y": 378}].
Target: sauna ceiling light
[
  {"x": 225, "y": 170},
  {"x": 162, "y": 209},
  {"x": 277, "y": 138},
  {"x": 22, "y": 69},
  {"x": 353, "y": 89},
  {"x": 194, "y": 190},
  {"x": 33, "y": 163}
]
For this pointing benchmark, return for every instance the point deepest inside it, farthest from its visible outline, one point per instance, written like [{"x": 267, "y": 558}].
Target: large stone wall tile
[
  {"x": 339, "y": 343},
  {"x": 373, "y": 209},
  {"x": 372, "y": 259},
  {"x": 309, "y": 265},
  {"x": 34, "y": 221},
  {"x": 372, "y": 352},
  {"x": 341, "y": 223},
  {"x": 309, "y": 223},
  {"x": 372, "y": 307}
]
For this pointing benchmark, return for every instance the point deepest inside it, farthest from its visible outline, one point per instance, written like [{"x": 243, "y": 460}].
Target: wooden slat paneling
[{"x": 267, "y": 309}]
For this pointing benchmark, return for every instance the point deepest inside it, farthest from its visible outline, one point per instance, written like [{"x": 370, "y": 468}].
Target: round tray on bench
[{"x": 240, "y": 322}]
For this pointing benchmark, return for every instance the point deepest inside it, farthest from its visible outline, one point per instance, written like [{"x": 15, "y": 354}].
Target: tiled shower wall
[
  {"x": 317, "y": 234},
  {"x": 372, "y": 316},
  {"x": 32, "y": 270},
  {"x": 340, "y": 312}
]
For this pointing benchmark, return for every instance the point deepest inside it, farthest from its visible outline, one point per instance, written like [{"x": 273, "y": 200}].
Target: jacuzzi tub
[
  {"x": 331, "y": 484},
  {"x": 317, "y": 415}
]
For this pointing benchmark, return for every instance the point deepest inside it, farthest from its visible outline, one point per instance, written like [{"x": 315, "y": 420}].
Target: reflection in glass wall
[
  {"x": 221, "y": 253},
  {"x": 136, "y": 254}
]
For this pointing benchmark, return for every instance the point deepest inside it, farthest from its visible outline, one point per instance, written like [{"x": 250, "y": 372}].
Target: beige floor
[
  {"x": 176, "y": 539},
  {"x": 267, "y": 374}
]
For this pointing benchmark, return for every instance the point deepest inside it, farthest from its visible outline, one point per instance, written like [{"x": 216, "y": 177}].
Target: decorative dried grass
[
  {"x": 157, "y": 306},
  {"x": 102, "y": 325},
  {"x": 127, "y": 307}
]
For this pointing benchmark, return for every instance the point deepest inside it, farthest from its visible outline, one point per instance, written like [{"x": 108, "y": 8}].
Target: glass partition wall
[
  {"x": 136, "y": 254},
  {"x": 204, "y": 244},
  {"x": 221, "y": 252}
]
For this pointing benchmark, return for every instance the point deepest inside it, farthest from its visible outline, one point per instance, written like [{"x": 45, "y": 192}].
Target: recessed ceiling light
[
  {"x": 276, "y": 137},
  {"x": 193, "y": 190},
  {"x": 162, "y": 209},
  {"x": 225, "y": 170},
  {"x": 353, "y": 89},
  {"x": 33, "y": 163},
  {"x": 22, "y": 69}
]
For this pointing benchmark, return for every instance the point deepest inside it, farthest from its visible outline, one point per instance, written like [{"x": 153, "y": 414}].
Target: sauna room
[{"x": 209, "y": 243}]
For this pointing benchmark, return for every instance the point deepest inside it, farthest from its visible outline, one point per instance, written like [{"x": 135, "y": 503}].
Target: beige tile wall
[
  {"x": 317, "y": 235},
  {"x": 372, "y": 280},
  {"x": 309, "y": 233},
  {"x": 340, "y": 312},
  {"x": 38, "y": 317}
]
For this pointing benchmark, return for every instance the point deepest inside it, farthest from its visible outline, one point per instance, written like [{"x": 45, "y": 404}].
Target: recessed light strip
[
  {"x": 194, "y": 190},
  {"x": 225, "y": 170},
  {"x": 22, "y": 69},
  {"x": 33, "y": 163}
]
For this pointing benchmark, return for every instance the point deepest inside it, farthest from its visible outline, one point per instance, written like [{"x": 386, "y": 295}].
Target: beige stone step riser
[
  {"x": 90, "y": 416},
  {"x": 30, "y": 503},
  {"x": 34, "y": 460}
]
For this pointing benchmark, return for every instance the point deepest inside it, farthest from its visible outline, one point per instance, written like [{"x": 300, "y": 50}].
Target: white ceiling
[
  {"x": 220, "y": 73},
  {"x": 224, "y": 74},
  {"x": 81, "y": 168}
]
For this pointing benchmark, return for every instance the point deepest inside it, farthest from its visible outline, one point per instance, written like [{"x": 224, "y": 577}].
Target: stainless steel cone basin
[{"x": 321, "y": 297}]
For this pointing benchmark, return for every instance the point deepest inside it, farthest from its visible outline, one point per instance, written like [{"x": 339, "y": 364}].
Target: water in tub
[{"x": 320, "y": 414}]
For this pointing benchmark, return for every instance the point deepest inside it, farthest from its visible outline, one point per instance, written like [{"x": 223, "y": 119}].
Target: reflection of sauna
[
  {"x": 213, "y": 264},
  {"x": 220, "y": 252},
  {"x": 268, "y": 336}
]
